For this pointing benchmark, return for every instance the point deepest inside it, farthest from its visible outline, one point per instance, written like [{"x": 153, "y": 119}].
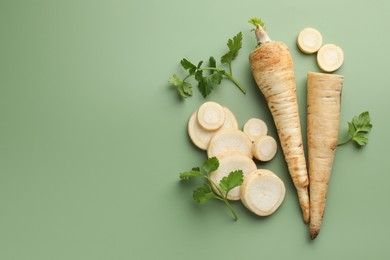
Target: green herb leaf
[
  {"x": 362, "y": 122},
  {"x": 210, "y": 165},
  {"x": 187, "y": 65},
  {"x": 192, "y": 173},
  {"x": 234, "y": 179},
  {"x": 257, "y": 22},
  {"x": 203, "y": 193},
  {"x": 212, "y": 62},
  {"x": 184, "y": 88},
  {"x": 357, "y": 129},
  {"x": 234, "y": 46},
  {"x": 360, "y": 139}
]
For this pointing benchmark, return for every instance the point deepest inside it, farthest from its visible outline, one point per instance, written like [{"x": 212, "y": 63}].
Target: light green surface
[{"x": 92, "y": 138}]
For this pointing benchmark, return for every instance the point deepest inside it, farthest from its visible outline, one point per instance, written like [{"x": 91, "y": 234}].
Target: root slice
[
  {"x": 229, "y": 162},
  {"x": 262, "y": 192},
  {"x": 264, "y": 148},
  {"x": 309, "y": 40},
  {"x": 330, "y": 57},
  {"x": 230, "y": 140},
  {"x": 211, "y": 115},
  {"x": 255, "y": 128}
]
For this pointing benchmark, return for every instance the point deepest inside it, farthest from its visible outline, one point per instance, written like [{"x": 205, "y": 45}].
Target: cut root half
[
  {"x": 330, "y": 57},
  {"x": 230, "y": 140},
  {"x": 229, "y": 162},
  {"x": 262, "y": 192},
  {"x": 309, "y": 40},
  {"x": 255, "y": 128},
  {"x": 211, "y": 115},
  {"x": 264, "y": 148}
]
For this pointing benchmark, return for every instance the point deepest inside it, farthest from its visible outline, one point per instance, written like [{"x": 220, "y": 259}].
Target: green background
[{"x": 92, "y": 137}]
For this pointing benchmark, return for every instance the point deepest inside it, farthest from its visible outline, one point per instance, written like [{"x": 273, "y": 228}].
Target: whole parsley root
[
  {"x": 323, "y": 117},
  {"x": 273, "y": 70},
  {"x": 206, "y": 83}
]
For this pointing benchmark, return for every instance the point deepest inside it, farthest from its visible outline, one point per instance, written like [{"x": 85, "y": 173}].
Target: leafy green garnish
[
  {"x": 257, "y": 22},
  {"x": 358, "y": 128},
  {"x": 206, "y": 192},
  {"x": 206, "y": 83}
]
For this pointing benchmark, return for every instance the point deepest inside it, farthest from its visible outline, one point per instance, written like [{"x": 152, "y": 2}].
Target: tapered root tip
[
  {"x": 306, "y": 216},
  {"x": 314, "y": 233}
]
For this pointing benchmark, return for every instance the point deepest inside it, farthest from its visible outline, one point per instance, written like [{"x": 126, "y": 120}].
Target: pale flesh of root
[
  {"x": 309, "y": 40},
  {"x": 323, "y": 118},
  {"x": 273, "y": 70},
  {"x": 330, "y": 57},
  {"x": 264, "y": 148},
  {"x": 228, "y": 162},
  {"x": 255, "y": 128},
  {"x": 200, "y": 136},
  {"x": 211, "y": 115},
  {"x": 262, "y": 192},
  {"x": 229, "y": 140}
]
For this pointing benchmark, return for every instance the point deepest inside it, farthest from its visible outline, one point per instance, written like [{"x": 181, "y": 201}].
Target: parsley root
[
  {"x": 273, "y": 70},
  {"x": 323, "y": 117}
]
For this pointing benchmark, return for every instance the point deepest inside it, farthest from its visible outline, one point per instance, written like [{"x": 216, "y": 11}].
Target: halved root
[
  {"x": 255, "y": 128},
  {"x": 229, "y": 162},
  {"x": 262, "y": 192},
  {"x": 229, "y": 140},
  {"x": 330, "y": 57},
  {"x": 264, "y": 148},
  {"x": 211, "y": 115},
  {"x": 309, "y": 40}
]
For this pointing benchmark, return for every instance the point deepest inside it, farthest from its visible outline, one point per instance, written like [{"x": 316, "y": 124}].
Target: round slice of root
[
  {"x": 264, "y": 148},
  {"x": 262, "y": 192},
  {"x": 330, "y": 57},
  {"x": 309, "y": 40},
  {"x": 200, "y": 136},
  {"x": 211, "y": 115},
  {"x": 229, "y": 162},
  {"x": 230, "y": 120},
  {"x": 229, "y": 140},
  {"x": 255, "y": 128}
]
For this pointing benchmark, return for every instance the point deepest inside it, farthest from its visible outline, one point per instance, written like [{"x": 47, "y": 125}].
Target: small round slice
[
  {"x": 330, "y": 57},
  {"x": 262, "y": 192},
  {"x": 255, "y": 128},
  {"x": 309, "y": 40},
  {"x": 211, "y": 115},
  {"x": 201, "y": 137},
  {"x": 264, "y": 148},
  {"x": 229, "y": 162},
  {"x": 230, "y": 140}
]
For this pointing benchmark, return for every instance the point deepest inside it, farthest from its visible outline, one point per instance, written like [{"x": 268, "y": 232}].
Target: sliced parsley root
[
  {"x": 206, "y": 83},
  {"x": 211, "y": 189},
  {"x": 262, "y": 192}
]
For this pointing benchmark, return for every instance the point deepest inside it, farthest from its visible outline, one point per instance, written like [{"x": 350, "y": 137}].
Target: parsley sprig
[
  {"x": 357, "y": 129},
  {"x": 206, "y": 83},
  {"x": 206, "y": 192}
]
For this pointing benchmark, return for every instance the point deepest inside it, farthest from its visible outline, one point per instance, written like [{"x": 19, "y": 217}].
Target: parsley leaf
[
  {"x": 184, "y": 88},
  {"x": 207, "y": 83},
  {"x": 357, "y": 129},
  {"x": 203, "y": 193},
  {"x": 234, "y": 46},
  {"x": 234, "y": 179},
  {"x": 257, "y": 22},
  {"x": 195, "y": 172},
  {"x": 211, "y": 165},
  {"x": 219, "y": 192}
]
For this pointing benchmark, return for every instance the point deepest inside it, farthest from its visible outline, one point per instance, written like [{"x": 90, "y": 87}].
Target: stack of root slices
[{"x": 214, "y": 128}]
